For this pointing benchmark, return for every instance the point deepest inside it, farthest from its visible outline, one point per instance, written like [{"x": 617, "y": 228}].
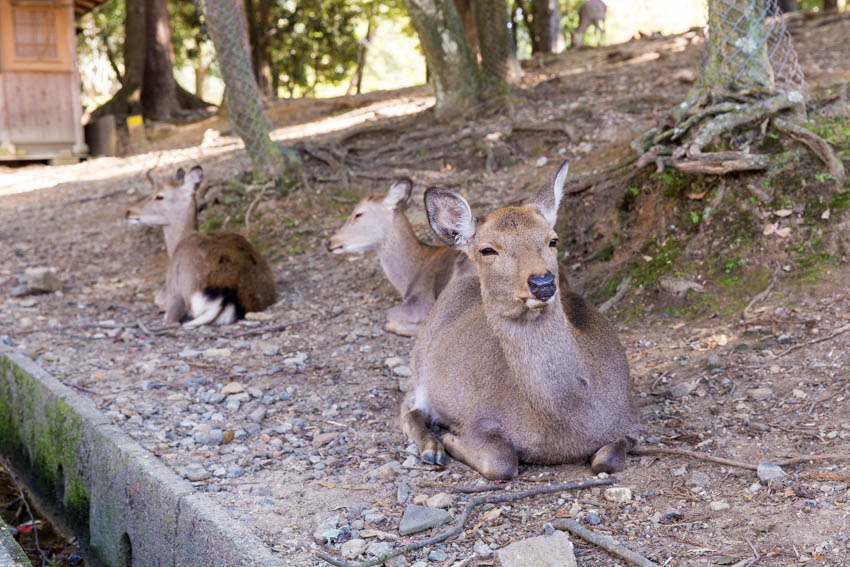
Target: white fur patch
[
  {"x": 227, "y": 316},
  {"x": 204, "y": 310}
]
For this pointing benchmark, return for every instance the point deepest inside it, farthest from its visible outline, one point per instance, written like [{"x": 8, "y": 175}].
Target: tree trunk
[
  {"x": 356, "y": 84},
  {"x": 547, "y": 26},
  {"x": 159, "y": 89},
  {"x": 128, "y": 98},
  {"x": 466, "y": 11},
  {"x": 830, "y": 4},
  {"x": 787, "y": 6},
  {"x": 200, "y": 69},
  {"x": 528, "y": 19},
  {"x": 498, "y": 54},
  {"x": 244, "y": 107},
  {"x": 740, "y": 62},
  {"x": 453, "y": 69}
]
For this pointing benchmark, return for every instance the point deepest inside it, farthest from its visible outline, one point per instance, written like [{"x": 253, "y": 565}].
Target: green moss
[
  {"x": 52, "y": 440},
  {"x": 661, "y": 261}
]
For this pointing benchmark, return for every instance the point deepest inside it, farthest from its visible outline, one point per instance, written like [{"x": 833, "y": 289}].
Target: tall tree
[
  {"x": 498, "y": 52},
  {"x": 547, "y": 26},
  {"x": 244, "y": 107},
  {"x": 159, "y": 89},
  {"x": 128, "y": 99},
  {"x": 454, "y": 71}
]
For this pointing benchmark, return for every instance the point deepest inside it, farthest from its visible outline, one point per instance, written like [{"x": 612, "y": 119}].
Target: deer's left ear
[
  {"x": 192, "y": 180},
  {"x": 549, "y": 198}
]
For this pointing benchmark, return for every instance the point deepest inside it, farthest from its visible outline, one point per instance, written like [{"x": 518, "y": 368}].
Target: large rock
[
  {"x": 554, "y": 550},
  {"x": 420, "y": 518},
  {"x": 42, "y": 280}
]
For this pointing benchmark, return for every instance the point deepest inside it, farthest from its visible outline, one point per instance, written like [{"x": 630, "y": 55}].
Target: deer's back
[{"x": 221, "y": 261}]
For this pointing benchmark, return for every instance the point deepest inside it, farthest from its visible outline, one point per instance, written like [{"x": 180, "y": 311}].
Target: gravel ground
[{"x": 289, "y": 419}]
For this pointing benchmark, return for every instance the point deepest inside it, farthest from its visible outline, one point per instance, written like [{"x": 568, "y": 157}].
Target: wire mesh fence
[
  {"x": 746, "y": 35},
  {"x": 225, "y": 25}
]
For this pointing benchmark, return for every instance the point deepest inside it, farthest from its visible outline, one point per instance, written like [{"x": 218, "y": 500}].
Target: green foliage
[
  {"x": 312, "y": 42},
  {"x": 734, "y": 264}
]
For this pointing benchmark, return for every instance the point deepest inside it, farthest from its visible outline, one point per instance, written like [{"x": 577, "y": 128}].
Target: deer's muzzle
[{"x": 542, "y": 287}]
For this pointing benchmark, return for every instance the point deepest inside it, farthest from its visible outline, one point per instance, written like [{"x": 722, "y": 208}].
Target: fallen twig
[
  {"x": 606, "y": 542},
  {"x": 458, "y": 526},
  {"x": 764, "y": 293},
  {"x": 158, "y": 331},
  {"x": 270, "y": 329},
  {"x": 622, "y": 289},
  {"x": 652, "y": 451},
  {"x": 837, "y": 332}
]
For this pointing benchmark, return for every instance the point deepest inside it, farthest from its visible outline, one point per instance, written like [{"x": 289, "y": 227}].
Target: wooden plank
[{"x": 39, "y": 107}]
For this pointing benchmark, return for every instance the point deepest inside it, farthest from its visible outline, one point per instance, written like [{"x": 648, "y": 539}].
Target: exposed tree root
[{"x": 703, "y": 119}]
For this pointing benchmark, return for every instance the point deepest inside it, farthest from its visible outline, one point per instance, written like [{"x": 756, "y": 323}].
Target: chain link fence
[
  {"x": 225, "y": 25},
  {"x": 747, "y": 37}
]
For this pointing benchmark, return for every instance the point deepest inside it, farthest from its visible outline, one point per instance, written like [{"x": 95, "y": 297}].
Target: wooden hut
[{"x": 40, "y": 108}]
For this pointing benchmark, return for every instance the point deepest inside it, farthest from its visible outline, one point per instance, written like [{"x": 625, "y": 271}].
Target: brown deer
[
  {"x": 510, "y": 364},
  {"x": 211, "y": 278},
  {"x": 591, "y": 13},
  {"x": 419, "y": 272}
]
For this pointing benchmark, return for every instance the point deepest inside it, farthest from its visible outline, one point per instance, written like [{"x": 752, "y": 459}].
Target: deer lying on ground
[
  {"x": 591, "y": 13},
  {"x": 511, "y": 364},
  {"x": 211, "y": 278},
  {"x": 419, "y": 272}
]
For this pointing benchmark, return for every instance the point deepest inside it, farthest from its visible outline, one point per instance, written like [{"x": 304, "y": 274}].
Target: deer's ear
[
  {"x": 399, "y": 193},
  {"x": 450, "y": 216},
  {"x": 192, "y": 180},
  {"x": 548, "y": 199}
]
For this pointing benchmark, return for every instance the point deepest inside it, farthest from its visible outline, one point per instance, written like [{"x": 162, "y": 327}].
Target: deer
[
  {"x": 591, "y": 13},
  {"x": 418, "y": 271},
  {"x": 211, "y": 278},
  {"x": 511, "y": 366}
]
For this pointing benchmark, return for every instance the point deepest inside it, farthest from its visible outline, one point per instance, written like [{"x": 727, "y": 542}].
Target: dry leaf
[{"x": 783, "y": 212}]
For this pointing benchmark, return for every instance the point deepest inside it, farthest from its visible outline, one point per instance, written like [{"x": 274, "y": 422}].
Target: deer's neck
[
  {"x": 183, "y": 225},
  {"x": 543, "y": 357},
  {"x": 401, "y": 253}
]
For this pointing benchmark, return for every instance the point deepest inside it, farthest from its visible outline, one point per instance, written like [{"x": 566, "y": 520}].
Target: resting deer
[
  {"x": 591, "y": 13},
  {"x": 212, "y": 278},
  {"x": 419, "y": 272},
  {"x": 511, "y": 364}
]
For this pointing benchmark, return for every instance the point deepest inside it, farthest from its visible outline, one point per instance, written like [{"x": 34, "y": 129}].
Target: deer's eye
[
  {"x": 553, "y": 243},
  {"x": 159, "y": 198},
  {"x": 488, "y": 252}
]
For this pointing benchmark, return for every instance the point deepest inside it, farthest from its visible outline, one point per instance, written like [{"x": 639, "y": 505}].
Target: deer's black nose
[{"x": 542, "y": 287}]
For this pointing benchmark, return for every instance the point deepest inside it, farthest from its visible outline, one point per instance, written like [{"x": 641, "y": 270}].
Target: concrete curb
[
  {"x": 11, "y": 554},
  {"x": 129, "y": 508}
]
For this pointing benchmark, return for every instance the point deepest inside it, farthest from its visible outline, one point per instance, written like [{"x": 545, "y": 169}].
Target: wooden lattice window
[{"x": 35, "y": 33}]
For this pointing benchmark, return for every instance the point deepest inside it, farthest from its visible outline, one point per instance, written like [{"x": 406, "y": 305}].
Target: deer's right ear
[
  {"x": 450, "y": 216},
  {"x": 399, "y": 193}
]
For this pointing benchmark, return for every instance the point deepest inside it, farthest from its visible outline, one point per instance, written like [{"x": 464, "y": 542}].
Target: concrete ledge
[
  {"x": 11, "y": 554},
  {"x": 127, "y": 507}
]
